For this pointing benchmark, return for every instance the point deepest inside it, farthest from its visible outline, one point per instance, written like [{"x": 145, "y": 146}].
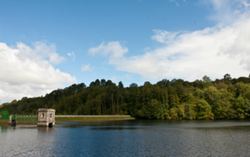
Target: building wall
[{"x": 47, "y": 118}]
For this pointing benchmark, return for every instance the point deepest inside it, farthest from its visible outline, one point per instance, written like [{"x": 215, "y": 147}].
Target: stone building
[{"x": 46, "y": 117}]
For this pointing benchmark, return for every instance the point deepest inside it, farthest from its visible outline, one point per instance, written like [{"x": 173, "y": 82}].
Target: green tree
[
  {"x": 204, "y": 110},
  {"x": 227, "y": 77},
  {"x": 206, "y": 79}
]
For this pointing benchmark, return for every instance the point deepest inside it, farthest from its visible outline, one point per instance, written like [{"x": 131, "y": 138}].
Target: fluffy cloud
[
  {"x": 40, "y": 51},
  {"x": 86, "y": 68},
  {"x": 28, "y": 72},
  {"x": 112, "y": 49},
  {"x": 212, "y": 51}
]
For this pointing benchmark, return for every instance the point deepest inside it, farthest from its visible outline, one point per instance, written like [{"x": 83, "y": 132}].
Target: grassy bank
[
  {"x": 68, "y": 119},
  {"x": 4, "y": 120},
  {"x": 91, "y": 118}
]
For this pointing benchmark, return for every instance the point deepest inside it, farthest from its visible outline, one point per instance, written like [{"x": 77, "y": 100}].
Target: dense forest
[{"x": 225, "y": 98}]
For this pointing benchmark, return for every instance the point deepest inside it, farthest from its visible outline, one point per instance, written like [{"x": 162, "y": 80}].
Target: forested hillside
[{"x": 226, "y": 98}]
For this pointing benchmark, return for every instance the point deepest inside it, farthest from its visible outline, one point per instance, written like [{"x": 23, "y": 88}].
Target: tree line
[{"x": 225, "y": 98}]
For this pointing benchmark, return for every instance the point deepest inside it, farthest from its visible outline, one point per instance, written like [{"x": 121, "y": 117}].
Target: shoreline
[
  {"x": 93, "y": 120},
  {"x": 124, "y": 119},
  {"x": 78, "y": 118}
]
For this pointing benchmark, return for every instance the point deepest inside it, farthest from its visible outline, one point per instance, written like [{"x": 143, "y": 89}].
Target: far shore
[{"x": 81, "y": 118}]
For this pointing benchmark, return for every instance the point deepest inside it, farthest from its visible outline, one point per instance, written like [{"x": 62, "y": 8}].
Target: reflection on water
[
  {"x": 46, "y": 129},
  {"x": 4, "y": 128},
  {"x": 94, "y": 123},
  {"x": 113, "y": 128},
  {"x": 128, "y": 138}
]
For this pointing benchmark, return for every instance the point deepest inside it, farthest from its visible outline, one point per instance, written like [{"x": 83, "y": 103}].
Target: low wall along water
[{"x": 118, "y": 116}]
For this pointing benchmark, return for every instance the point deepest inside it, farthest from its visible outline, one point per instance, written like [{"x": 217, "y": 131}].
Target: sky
[{"x": 48, "y": 45}]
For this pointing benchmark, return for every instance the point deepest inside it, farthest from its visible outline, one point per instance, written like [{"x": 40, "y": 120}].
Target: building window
[
  {"x": 42, "y": 115},
  {"x": 50, "y": 115}
]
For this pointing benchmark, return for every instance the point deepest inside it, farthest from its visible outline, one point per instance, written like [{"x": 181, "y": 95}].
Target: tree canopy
[{"x": 225, "y": 98}]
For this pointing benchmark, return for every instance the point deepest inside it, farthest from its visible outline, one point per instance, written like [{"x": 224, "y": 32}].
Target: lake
[{"x": 128, "y": 138}]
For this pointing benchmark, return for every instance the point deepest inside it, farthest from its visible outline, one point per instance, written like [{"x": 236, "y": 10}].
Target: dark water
[{"x": 128, "y": 138}]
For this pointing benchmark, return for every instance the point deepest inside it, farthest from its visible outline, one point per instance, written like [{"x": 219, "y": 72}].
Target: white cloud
[
  {"x": 163, "y": 36},
  {"x": 228, "y": 11},
  {"x": 112, "y": 49},
  {"x": 26, "y": 72},
  {"x": 41, "y": 51},
  {"x": 55, "y": 58},
  {"x": 86, "y": 68},
  {"x": 72, "y": 55},
  {"x": 213, "y": 51}
]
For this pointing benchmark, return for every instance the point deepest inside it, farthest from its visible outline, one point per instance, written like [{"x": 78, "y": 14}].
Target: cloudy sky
[{"x": 46, "y": 45}]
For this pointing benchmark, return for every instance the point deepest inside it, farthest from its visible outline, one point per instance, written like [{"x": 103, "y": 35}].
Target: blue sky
[{"x": 45, "y": 45}]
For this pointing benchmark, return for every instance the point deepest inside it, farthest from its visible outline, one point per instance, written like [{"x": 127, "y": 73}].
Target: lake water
[{"x": 128, "y": 138}]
